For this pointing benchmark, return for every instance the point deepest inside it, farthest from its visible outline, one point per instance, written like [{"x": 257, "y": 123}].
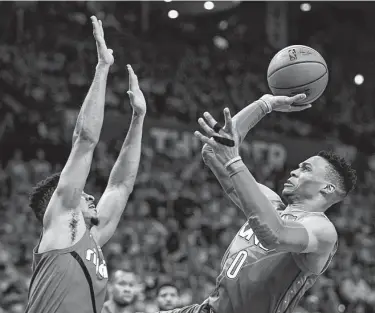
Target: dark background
[{"x": 203, "y": 60}]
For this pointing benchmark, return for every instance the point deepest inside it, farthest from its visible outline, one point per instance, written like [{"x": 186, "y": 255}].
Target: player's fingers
[
  {"x": 101, "y": 28},
  {"x": 296, "y": 108},
  {"x": 208, "y": 130},
  {"x": 204, "y": 139},
  {"x": 110, "y": 51},
  {"x": 228, "y": 121},
  {"x": 95, "y": 25},
  {"x": 97, "y": 33},
  {"x": 207, "y": 148},
  {"x": 297, "y": 98},
  {"x": 211, "y": 121},
  {"x": 133, "y": 79},
  {"x": 131, "y": 96}
]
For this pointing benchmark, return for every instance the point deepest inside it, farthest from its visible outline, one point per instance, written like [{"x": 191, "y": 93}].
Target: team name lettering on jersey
[
  {"x": 101, "y": 269},
  {"x": 247, "y": 234}
]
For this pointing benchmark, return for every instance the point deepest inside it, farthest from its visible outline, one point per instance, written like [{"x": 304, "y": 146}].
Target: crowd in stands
[{"x": 178, "y": 223}]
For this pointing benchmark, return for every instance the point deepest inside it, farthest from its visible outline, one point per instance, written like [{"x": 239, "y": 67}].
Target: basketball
[{"x": 298, "y": 69}]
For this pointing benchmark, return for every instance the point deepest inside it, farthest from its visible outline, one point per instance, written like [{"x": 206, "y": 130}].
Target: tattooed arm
[
  {"x": 243, "y": 122},
  {"x": 68, "y": 193}
]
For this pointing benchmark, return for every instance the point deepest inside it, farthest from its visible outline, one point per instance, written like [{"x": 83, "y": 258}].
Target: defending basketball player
[
  {"x": 69, "y": 271},
  {"x": 277, "y": 255}
]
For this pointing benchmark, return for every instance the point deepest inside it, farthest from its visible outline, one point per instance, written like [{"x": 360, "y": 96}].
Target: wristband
[
  {"x": 237, "y": 158},
  {"x": 268, "y": 106}
]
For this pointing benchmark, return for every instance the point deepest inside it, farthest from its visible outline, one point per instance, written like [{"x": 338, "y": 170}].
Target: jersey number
[{"x": 237, "y": 263}]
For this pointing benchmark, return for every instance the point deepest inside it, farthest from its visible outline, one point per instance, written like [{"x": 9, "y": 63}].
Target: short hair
[
  {"x": 167, "y": 284},
  {"x": 113, "y": 276},
  {"x": 41, "y": 195},
  {"x": 341, "y": 171}
]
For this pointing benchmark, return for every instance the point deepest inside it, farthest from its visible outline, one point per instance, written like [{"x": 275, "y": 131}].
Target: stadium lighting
[
  {"x": 305, "y": 7},
  {"x": 223, "y": 25},
  {"x": 208, "y": 5},
  {"x": 358, "y": 79},
  {"x": 220, "y": 42},
  {"x": 173, "y": 14},
  {"x": 167, "y": 0}
]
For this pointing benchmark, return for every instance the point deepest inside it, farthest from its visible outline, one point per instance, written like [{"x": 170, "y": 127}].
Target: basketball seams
[
  {"x": 299, "y": 62},
  {"x": 299, "y": 86}
]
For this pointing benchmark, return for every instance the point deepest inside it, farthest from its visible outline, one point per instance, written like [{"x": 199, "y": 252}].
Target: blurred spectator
[
  {"x": 122, "y": 291},
  {"x": 40, "y": 168},
  {"x": 167, "y": 296},
  {"x": 18, "y": 173},
  {"x": 178, "y": 223},
  {"x": 355, "y": 290}
]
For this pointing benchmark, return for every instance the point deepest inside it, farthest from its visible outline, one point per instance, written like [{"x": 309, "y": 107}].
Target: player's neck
[{"x": 307, "y": 206}]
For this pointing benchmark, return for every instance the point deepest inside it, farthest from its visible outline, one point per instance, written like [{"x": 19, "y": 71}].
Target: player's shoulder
[{"x": 321, "y": 226}]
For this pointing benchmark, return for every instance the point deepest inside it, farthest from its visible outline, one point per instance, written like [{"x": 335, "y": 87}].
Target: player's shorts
[{"x": 193, "y": 308}]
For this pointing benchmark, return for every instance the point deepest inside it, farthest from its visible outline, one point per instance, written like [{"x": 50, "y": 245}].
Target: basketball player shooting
[
  {"x": 278, "y": 254},
  {"x": 69, "y": 271}
]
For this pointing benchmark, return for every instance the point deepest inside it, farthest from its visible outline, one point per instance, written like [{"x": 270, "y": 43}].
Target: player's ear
[{"x": 329, "y": 189}]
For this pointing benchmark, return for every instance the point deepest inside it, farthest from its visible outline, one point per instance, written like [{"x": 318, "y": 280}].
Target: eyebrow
[{"x": 306, "y": 163}]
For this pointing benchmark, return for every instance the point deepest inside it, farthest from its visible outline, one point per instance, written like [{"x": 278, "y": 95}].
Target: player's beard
[
  {"x": 166, "y": 307},
  {"x": 94, "y": 221}
]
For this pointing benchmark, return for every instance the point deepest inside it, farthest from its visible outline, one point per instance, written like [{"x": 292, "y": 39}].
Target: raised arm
[
  {"x": 122, "y": 177},
  {"x": 73, "y": 178},
  {"x": 242, "y": 123}
]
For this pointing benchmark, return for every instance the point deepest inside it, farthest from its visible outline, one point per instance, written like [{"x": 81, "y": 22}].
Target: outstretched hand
[
  {"x": 137, "y": 99},
  {"x": 105, "y": 55},
  {"x": 224, "y": 153}
]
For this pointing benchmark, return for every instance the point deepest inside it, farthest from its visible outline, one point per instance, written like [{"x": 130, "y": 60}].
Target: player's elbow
[
  {"x": 285, "y": 240},
  {"x": 270, "y": 241},
  {"x": 274, "y": 245},
  {"x": 85, "y": 137}
]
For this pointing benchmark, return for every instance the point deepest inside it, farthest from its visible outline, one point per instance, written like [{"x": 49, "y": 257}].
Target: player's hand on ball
[
  {"x": 224, "y": 141},
  {"x": 137, "y": 99},
  {"x": 105, "y": 55},
  {"x": 286, "y": 104}
]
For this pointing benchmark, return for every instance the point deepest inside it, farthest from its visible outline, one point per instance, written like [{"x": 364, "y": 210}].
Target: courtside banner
[{"x": 177, "y": 140}]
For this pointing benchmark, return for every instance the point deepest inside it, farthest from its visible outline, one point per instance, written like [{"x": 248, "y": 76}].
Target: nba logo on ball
[
  {"x": 298, "y": 69},
  {"x": 292, "y": 55}
]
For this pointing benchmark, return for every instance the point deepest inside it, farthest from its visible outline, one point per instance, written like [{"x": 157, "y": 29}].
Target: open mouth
[
  {"x": 288, "y": 183},
  {"x": 92, "y": 206}
]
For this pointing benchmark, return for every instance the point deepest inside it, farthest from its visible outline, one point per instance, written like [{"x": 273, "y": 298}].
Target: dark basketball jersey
[
  {"x": 69, "y": 280},
  {"x": 256, "y": 280}
]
